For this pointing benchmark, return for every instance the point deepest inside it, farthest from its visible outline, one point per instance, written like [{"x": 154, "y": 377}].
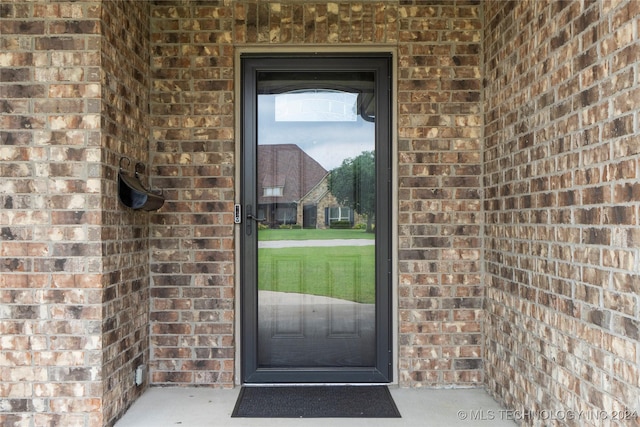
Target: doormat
[{"x": 316, "y": 402}]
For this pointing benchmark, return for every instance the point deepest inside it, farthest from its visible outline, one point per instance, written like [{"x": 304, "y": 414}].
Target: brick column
[
  {"x": 439, "y": 171},
  {"x": 74, "y": 267}
]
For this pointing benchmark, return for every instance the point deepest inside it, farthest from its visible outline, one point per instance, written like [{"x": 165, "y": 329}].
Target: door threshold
[{"x": 315, "y": 384}]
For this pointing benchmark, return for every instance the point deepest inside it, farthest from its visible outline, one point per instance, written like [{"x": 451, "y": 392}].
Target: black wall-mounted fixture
[{"x": 133, "y": 194}]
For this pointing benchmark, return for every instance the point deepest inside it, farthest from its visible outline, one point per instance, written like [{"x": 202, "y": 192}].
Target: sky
[{"x": 335, "y": 135}]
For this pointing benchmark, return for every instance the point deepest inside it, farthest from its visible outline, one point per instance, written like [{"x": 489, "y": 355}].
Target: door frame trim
[{"x": 393, "y": 214}]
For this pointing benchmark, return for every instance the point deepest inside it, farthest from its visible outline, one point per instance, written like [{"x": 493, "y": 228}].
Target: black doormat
[{"x": 316, "y": 402}]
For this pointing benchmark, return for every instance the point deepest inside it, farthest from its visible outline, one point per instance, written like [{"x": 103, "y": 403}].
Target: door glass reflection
[{"x": 316, "y": 244}]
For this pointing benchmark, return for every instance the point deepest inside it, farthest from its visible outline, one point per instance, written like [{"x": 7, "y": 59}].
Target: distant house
[{"x": 293, "y": 189}]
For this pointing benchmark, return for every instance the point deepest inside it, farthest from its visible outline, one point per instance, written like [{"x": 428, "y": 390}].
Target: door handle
[
  {"x": 251, "y": 216},
  {"x": 248, "y": 228},
  {"x": 237, "y": 214}
]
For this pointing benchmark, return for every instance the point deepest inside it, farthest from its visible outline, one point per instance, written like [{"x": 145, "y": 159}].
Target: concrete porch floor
[{"x": 206, "y": 407}]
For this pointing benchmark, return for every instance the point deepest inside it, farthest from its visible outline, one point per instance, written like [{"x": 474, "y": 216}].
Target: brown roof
[{"x": 287, "y": 166}]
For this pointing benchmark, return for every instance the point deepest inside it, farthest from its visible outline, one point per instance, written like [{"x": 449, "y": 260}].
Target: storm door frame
[{"x": 381, "y": 65}]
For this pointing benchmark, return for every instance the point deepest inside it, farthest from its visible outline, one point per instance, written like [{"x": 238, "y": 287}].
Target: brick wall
[
  {"x": 73, "y": 262},
  {"x": 439, "y": 198},
  {"x": 561, "y": 112},
  {"x": 125, "y": 57},
  {"x": 192, "y": 260},
  {"x": 51, "y": 214},
  {"x": 561, "y": 179},
  {"x": 439, "y": 234}
]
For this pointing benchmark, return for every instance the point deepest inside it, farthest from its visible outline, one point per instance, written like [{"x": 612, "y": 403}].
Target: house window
[
  {"x": 339, "y": 214},
  {"x": 273, "y": 191},
  {"x": 286, "y": 215}
]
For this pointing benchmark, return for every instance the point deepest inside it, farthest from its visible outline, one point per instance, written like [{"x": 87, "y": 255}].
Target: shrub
[
  {"x": 290, "y": 227},
  {"x": 340, "y": 224}
]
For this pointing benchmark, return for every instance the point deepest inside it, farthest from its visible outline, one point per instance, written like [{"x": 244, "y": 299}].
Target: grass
[
  {"x": 312, "y": 234},
  {"x": 344, "y": 272}
]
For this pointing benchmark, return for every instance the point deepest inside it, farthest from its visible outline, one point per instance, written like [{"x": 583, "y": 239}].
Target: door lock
[{"x": 237, "y": 214}]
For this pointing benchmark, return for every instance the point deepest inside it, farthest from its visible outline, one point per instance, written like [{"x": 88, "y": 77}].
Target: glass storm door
[{"x": 315, "y": 222}]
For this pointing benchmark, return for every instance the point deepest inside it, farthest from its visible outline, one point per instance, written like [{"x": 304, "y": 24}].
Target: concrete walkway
[
  {"x": 206, "y": 407},
  {"x": 308, "y": 330},
  {"x": 278, "y": 244}
]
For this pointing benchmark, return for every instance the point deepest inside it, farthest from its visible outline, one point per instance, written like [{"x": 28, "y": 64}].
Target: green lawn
[
  {"x": 344, "y": 272},
  {"x": 312, "y": 234}
]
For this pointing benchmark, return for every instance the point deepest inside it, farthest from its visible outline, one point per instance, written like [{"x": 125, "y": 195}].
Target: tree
[{"x": 353, "y": 184}]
